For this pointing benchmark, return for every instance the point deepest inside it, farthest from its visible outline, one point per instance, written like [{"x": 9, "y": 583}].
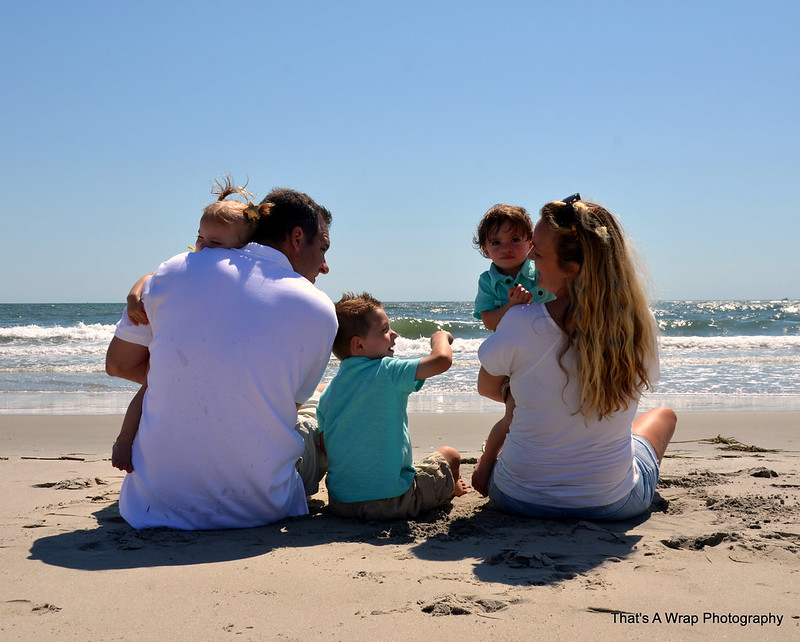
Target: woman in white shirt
[{"x": 577, "y": 367}]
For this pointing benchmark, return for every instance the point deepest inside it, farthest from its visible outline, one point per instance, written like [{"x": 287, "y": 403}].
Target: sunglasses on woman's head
[{"x": 566, "y": 215}]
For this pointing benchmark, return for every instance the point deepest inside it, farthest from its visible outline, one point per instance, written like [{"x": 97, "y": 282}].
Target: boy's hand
[
  {"x": 440, "y": 333},
  {"x": 518, "y": 295}
]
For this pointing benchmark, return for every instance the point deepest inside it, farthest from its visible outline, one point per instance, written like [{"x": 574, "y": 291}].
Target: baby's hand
[
  {"x": 519, "y": 295},
  {"x": 136, "y": 312},
  {"x": 481, "y": 476},
  {"x": 121, "y": 456}
]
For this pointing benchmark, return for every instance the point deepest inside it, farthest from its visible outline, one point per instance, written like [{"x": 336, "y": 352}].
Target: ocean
[{"x": 715, "y": 355}]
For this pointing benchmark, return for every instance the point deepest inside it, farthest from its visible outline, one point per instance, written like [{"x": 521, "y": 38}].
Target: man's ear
[
  {"x": 356, "y": 346},
  {"x": 296, "y": 237}
]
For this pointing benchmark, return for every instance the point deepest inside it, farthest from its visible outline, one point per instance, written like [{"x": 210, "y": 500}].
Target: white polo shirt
[
  {"x": 552, "y": 455},
  {"x": 236, "y": 338}
]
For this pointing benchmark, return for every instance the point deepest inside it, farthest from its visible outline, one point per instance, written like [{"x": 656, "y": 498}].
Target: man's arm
[{"x": 127, "y": 360}]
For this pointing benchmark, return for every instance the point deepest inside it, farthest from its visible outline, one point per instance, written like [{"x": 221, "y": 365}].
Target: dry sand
[{"x": 722, "y": 543}]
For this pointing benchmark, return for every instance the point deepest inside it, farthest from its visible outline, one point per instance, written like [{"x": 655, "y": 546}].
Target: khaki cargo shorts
[
  {"x": 433, "y": 486},
  {"x": 313, "y": 465}
]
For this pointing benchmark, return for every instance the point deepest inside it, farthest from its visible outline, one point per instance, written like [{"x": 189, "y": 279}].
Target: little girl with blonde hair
[{"x": 226, "y": 224}]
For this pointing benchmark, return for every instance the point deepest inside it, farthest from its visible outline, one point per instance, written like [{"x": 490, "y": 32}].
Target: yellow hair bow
[{"x": 254, "y": 212}]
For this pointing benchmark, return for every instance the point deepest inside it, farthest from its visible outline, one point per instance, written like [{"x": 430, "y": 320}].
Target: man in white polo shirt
[{"x": 237, "y": 341}]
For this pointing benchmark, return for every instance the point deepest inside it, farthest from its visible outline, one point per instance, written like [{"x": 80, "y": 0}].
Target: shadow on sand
[{"x": 501, "y": 548}]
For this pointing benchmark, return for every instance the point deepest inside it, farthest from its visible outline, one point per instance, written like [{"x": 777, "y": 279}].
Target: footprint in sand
[
  {"x": 698, "y": 543},
  {"x": 72, "y": 484},
  {"x": 21, "y": 607},
  {"x": 457, "y": 605}
]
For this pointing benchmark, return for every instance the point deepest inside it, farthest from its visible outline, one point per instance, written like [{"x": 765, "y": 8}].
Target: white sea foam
[
  {"x": 734, "y": 354},
  {"x": 53, "y": 334},
  {"x": 727, "y": 343}
]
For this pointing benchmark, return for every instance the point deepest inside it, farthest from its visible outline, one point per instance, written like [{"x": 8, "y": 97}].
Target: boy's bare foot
[{"x": 461, "y": 487}]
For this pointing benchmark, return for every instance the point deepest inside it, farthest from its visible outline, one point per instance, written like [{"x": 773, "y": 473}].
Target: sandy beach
[{"x": 719, "y": 556}]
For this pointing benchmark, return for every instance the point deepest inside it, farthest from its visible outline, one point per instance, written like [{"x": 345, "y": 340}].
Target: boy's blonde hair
[
  {"x": 494, "y": 219},
  {"x": 353, "y": 312},
  {"x": 608, "y": 321}
]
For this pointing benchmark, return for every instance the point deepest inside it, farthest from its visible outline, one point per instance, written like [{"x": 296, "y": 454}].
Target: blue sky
[{"x": 408, "y": 121}]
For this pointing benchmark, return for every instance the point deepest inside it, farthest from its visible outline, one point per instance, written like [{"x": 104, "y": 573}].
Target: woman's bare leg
[{"x": 657, "y": 426}]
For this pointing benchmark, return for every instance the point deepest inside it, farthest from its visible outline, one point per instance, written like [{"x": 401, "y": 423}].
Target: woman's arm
[{"x": 490, "y": 386}]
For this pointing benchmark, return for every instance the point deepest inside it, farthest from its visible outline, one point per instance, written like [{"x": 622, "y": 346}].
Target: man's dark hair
[{"x": 290, "y": 209}]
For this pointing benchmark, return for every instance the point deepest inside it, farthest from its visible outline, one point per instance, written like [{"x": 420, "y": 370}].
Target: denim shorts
[{"x": 635, "y": 503}]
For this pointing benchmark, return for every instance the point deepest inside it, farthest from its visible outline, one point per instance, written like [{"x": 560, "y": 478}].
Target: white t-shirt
[
  {"x": 551, "y": 455},
  {"x": 236, "y": 338}
]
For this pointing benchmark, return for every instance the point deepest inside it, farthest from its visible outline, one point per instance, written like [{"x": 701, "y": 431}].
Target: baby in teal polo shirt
[
  {"x": 505, "y": 235},
  {"x": 363, "y": 421}
]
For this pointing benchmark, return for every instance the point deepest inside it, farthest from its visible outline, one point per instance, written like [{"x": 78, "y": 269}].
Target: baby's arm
[
  {"x": 121, "y": 452},
  {"x": 492, "y": 387},
  {"x": 136, "y": 311},
  {"x": 516, "y": 296},
  {"x": 491, "y": 450},
  {"x": 440, "y": 358}
]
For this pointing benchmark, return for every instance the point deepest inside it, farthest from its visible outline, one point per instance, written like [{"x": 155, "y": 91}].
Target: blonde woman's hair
[{"x": 607, "y": 320}]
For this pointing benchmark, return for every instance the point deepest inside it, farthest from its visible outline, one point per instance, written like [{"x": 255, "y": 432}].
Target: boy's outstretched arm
[{"x": 440, "y": 358}]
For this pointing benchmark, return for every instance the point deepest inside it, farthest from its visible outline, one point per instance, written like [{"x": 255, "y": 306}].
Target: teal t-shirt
[
  {"x": 362, "y": 415},
  {"x": 493, "y": 288}
]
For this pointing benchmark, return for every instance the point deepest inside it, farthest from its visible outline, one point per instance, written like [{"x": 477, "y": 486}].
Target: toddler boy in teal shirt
[{"x": 363, "y": 421}]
